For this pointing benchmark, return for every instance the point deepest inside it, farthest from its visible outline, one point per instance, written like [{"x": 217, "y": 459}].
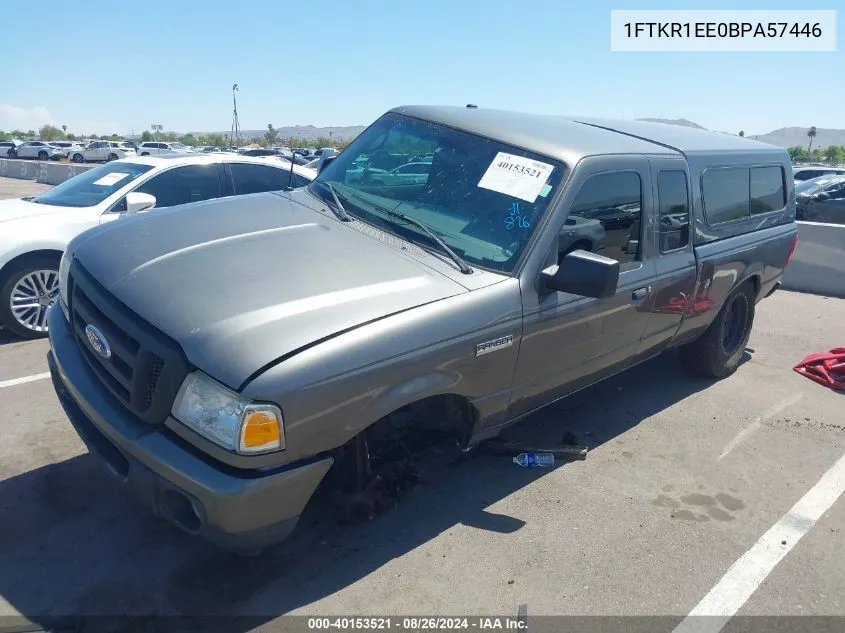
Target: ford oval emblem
[{"x": 98, "y": 341}]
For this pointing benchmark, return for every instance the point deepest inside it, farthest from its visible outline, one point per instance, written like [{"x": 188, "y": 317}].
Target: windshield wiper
[
  {"x": 344, "y": 216},
  {"x": 465, "y": 269}
]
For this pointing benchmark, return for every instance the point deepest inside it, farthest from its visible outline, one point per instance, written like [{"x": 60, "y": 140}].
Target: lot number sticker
[
  {"x": 516, "y": 176},
  {"x": 110, "y": 179}
]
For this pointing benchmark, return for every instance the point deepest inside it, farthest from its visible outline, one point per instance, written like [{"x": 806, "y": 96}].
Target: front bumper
[{"x": 235, "y": 509}]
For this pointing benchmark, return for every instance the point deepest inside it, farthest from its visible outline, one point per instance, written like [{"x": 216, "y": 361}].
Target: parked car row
[{"x": 101, "y": 151}]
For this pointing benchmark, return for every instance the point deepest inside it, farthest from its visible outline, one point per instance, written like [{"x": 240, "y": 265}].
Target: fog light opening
[{"x": 177, "y": 508}]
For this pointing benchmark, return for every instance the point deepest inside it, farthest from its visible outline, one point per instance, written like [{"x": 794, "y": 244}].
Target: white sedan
[
  {"x": 34, "y": 231},
  {"x": 102, "y": 151},
  {"x": 36, "y": 149}
]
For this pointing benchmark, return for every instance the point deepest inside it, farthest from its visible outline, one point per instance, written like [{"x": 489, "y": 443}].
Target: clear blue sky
[{"x": 106, "y": 66}]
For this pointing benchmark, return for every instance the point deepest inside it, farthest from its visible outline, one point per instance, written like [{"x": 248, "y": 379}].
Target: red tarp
[{"x": 827, "y": 368}]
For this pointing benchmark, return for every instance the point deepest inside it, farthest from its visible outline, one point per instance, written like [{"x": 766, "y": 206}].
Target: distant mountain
[
  {"x": 792, "y": 136},
  {"x": 307, "y": 132},
  {"x": 784, "y": 137},
  {"x": 681, "y": 122}
]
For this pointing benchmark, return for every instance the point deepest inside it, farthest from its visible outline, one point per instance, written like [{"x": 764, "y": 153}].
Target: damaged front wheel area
[{"x": 373, "y": 469}]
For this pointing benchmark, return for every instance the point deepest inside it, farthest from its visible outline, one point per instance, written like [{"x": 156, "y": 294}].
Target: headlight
[
  {"x": 64, "y": 272},
  {"x": 227, "y": 418}
]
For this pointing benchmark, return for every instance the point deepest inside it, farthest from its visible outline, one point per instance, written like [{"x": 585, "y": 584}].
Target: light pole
[{"x": 235, "y": 136}]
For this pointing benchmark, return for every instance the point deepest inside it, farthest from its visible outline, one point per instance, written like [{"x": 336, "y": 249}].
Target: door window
[
  {"x": 837, "y": 192},
  {"x": 182, "y": 185},
  {"x": 612, "y": 203},
  {"x": 257, "y": 178},
  {"x": 674, "y": 210}
]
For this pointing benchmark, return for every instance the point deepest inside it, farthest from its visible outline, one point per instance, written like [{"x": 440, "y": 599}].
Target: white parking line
[
  {"x": 25, "y": 379},
  {"x": 757, "y": 423},
  {"x": 746, "y": 574}
]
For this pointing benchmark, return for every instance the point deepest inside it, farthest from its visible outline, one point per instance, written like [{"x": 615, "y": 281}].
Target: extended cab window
[
  {"x": 767, "y": 189},
  {"x": 257, "y": 178},
  {"x": 735, "y": 193},
  {"x": 725, "y": 192},
  {"x": 182, "y": 185},
  {"x": 612, "y": 203},
  {"x": 674, "y": 210}
]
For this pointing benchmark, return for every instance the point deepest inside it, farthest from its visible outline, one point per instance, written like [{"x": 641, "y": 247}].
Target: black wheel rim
[{"x": 736, "y": 320}]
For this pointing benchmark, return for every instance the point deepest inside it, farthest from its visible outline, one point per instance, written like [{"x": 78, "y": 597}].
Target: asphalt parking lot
[
  {"x": 684, "y": 479},
  {"x": 15, "y": 188}
]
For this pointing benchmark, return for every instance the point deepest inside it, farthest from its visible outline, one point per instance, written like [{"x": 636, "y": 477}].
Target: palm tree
[
  {"x": 741, "y": 133},
  {"x": 811, "y": 134}
]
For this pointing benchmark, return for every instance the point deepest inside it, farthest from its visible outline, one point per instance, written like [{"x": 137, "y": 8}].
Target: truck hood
[
  {"x": 240, "y": 282},
  {"x": 17, "y": 209}
]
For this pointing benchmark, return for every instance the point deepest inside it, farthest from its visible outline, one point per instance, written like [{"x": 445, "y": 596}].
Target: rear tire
[
  {"x": 42, "y": 156},
  {"x": 111, "y": 157},
  {"x": 78, "y": 158},
  {"x": 717, "y": 352},
  {"x": 11, "y": 281},
  {"x": 145, "y": 153}
]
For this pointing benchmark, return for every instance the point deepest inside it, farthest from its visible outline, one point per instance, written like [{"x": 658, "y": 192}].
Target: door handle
[{"x": 639, "y": 294}]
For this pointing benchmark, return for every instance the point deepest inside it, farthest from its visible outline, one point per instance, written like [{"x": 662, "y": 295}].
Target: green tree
[
  {"x": 31, "y": 133},
  {"x": 271, "y": 135},
  {"x": 50, "y": 133},
  {"x": 835, "y": 154},
  {"x": 188, "y": 139},
  {"x": 798, "y": 154},
  {"x": 811, "y": 134},
  {"x": 323, "y": 141},
  {"x": 741, "y": 133},
  {"x": 146, "y": 136},
  {"x": 64, "y": 129},
  {"x": 215, "y": 139},
  {"x": 4, "y": 136}
]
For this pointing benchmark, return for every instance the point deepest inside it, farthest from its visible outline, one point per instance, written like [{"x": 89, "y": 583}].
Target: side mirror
[
  {"x": 137, "y": 201},
  {"x": 583, "y": 273},
  {"x": 324, "y": 162},
  {"x": 823, "y": 196}
]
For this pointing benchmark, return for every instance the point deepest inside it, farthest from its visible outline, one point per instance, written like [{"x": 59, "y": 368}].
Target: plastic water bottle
[{"x": 534, "y": 460}]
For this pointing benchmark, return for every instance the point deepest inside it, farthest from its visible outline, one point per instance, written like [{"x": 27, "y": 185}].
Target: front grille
[{"x": 145, "y": 368}]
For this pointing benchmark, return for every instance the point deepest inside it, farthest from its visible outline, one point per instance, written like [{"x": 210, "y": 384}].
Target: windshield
[
  {"x": 92, "y": 187},
  {"x": 482, "y": 197}
]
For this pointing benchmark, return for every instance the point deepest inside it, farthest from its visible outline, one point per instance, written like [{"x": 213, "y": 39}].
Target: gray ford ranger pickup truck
[{"x": 225, "y": 357}]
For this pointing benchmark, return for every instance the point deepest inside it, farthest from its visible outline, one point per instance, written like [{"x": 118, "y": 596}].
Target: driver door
[{"x": 570, "y": 341}]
